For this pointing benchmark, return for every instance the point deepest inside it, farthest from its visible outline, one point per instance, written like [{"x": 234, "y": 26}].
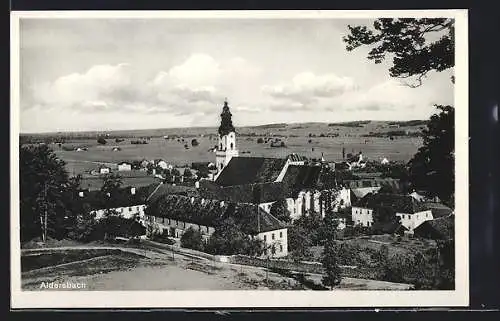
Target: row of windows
[
  {"x": 168, "y": 221},
  {"x": 408, "y": 216},
  {"x": 360, "y": 211},
  {"x": 358, "y": 222},
  {"x": 130, "y": 209},
  {"x": 272, "y": 236}
]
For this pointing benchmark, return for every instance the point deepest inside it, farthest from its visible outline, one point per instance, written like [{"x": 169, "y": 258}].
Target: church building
[{"x": 226, "y": 148}]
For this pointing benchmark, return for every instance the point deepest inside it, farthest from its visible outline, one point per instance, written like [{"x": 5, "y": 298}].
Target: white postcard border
[{"x": 242, "y": 299}]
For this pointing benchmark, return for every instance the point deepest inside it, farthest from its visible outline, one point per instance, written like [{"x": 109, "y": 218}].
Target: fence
[{"x": 304, "y": 267}]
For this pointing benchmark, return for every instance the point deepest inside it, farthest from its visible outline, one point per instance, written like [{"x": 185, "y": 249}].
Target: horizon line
[{"x": 201, "y": 127}]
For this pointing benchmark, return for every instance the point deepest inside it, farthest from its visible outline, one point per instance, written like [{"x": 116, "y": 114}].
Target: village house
[
  {"x": 410, "y": 212},
  {"x": 129, "y": 202},
  {"x": 163, "y": 164},
  {"x": 104, "y": 170},
  {"x": 124, "y": 166},
  {"x": 441, "y": 228}
]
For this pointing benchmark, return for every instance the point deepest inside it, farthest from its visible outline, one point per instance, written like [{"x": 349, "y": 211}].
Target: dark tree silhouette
[
  {"x": 414, "y": 55},
  {"x": 330, "y": 264},
  {"x": 432, "y": 167},
  {"x": 192, "y": 239},
  {"x": 44, "y": 188},
  {"x": 111, "y": 184},
  {"x": 101, "y": 140},
  {"x": 406, "y": 40},
  {"x": 279, "y": 209}
]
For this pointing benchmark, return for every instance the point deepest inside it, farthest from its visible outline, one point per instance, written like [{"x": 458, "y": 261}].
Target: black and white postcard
[{"x": 239, "y": 159}]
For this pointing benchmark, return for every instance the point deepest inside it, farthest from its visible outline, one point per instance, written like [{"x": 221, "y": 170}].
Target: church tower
[{"x": 226, "y": 149}]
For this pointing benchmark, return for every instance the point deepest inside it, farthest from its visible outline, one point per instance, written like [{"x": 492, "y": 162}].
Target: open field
[
  {"x": 152, "y": 269},
  {"x": 295, "y": 136}
]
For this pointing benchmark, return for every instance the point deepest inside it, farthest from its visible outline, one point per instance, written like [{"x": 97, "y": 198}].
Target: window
[
  {"x": 281, "y": 234},
  {"x": 130, "y": 209},
  {"x": 281, "y": 248},
  {"x": 220, "y": 145},
  {"x": 272, "y": 236},
  {"x": 265, "y": 238}
]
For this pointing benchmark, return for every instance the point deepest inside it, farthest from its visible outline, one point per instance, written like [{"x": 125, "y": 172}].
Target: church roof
[
  {"x": 250, "y": 170},
  {"x": 300, "y": 177},
  {"x": 248, "y": 193}
]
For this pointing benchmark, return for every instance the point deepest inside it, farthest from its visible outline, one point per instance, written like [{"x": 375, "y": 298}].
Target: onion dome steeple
[{"x": 226, "y": 124}]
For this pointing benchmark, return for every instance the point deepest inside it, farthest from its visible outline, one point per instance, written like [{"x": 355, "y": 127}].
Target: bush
[
  {"x": 194, "y": 142},
  {"x": 192, "y": 239},
  {"x": 102, "y": 141},
  {"x": 260, "y": 140},
  {"x": 162, "y": 238}
]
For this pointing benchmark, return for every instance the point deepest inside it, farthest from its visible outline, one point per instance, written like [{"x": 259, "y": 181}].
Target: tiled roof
[
  {"x": 254, "y": 220},
  {"x": 438, "y": 209},
  {"x": 400, "y": 203},
  {"x": 123, "y": 198},
  {"x": 441, "y": 228},
  {"x": 250, "y": 217},
  {"x": 158, "y": 190},
  {"x": 297, "y": 158},
  {"x": 248, "y": 170}
]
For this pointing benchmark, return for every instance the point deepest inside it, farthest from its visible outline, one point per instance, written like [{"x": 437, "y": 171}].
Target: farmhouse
[
  {"x": 410, "y": 212},
  {"x": 124, "y": 166},
  {"x": 104, "y": 170},
  {"x": 127, "y": 202},
  {"x": 442, "y": 228}
]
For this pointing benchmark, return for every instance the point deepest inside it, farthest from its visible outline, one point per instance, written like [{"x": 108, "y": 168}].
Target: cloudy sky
[{"x": 90, "y": 74}]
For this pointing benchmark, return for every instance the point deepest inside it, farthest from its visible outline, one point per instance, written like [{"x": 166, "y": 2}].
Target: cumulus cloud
[
  {"x": 388, "y": 95},
  {"x": 197, "y": 85},
  {"x": 306, "y": 87}
]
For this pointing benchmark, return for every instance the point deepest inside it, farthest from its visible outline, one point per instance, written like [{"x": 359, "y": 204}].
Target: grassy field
[
  {"x": 295, "y": 136},
  {"x": 374, "y": 242}
]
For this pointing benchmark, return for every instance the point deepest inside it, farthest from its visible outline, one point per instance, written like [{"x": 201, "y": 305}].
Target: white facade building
[
  {"x": 125, "y": 211},
  {"x": 124, "y": 167},
  {"x": 412, "y": 221},
  {"x": 362, "y": 216}
]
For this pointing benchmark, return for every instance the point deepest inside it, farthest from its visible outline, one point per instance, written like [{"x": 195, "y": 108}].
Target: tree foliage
[
  {"x": 408, "y": 41},
  {"x": 432, "y": 167},
  {"x": 44, "y": 188},
  {"x": 101, "y": 140},
  {"x": 330, "y": 263},
  {"x": 279, "y": 209},
  {"x": 299, "y": 243},
  {"x": 192, "y": 239},
  {"x": 111, "y": 185},
  {"x": 229, "y": 239}
]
